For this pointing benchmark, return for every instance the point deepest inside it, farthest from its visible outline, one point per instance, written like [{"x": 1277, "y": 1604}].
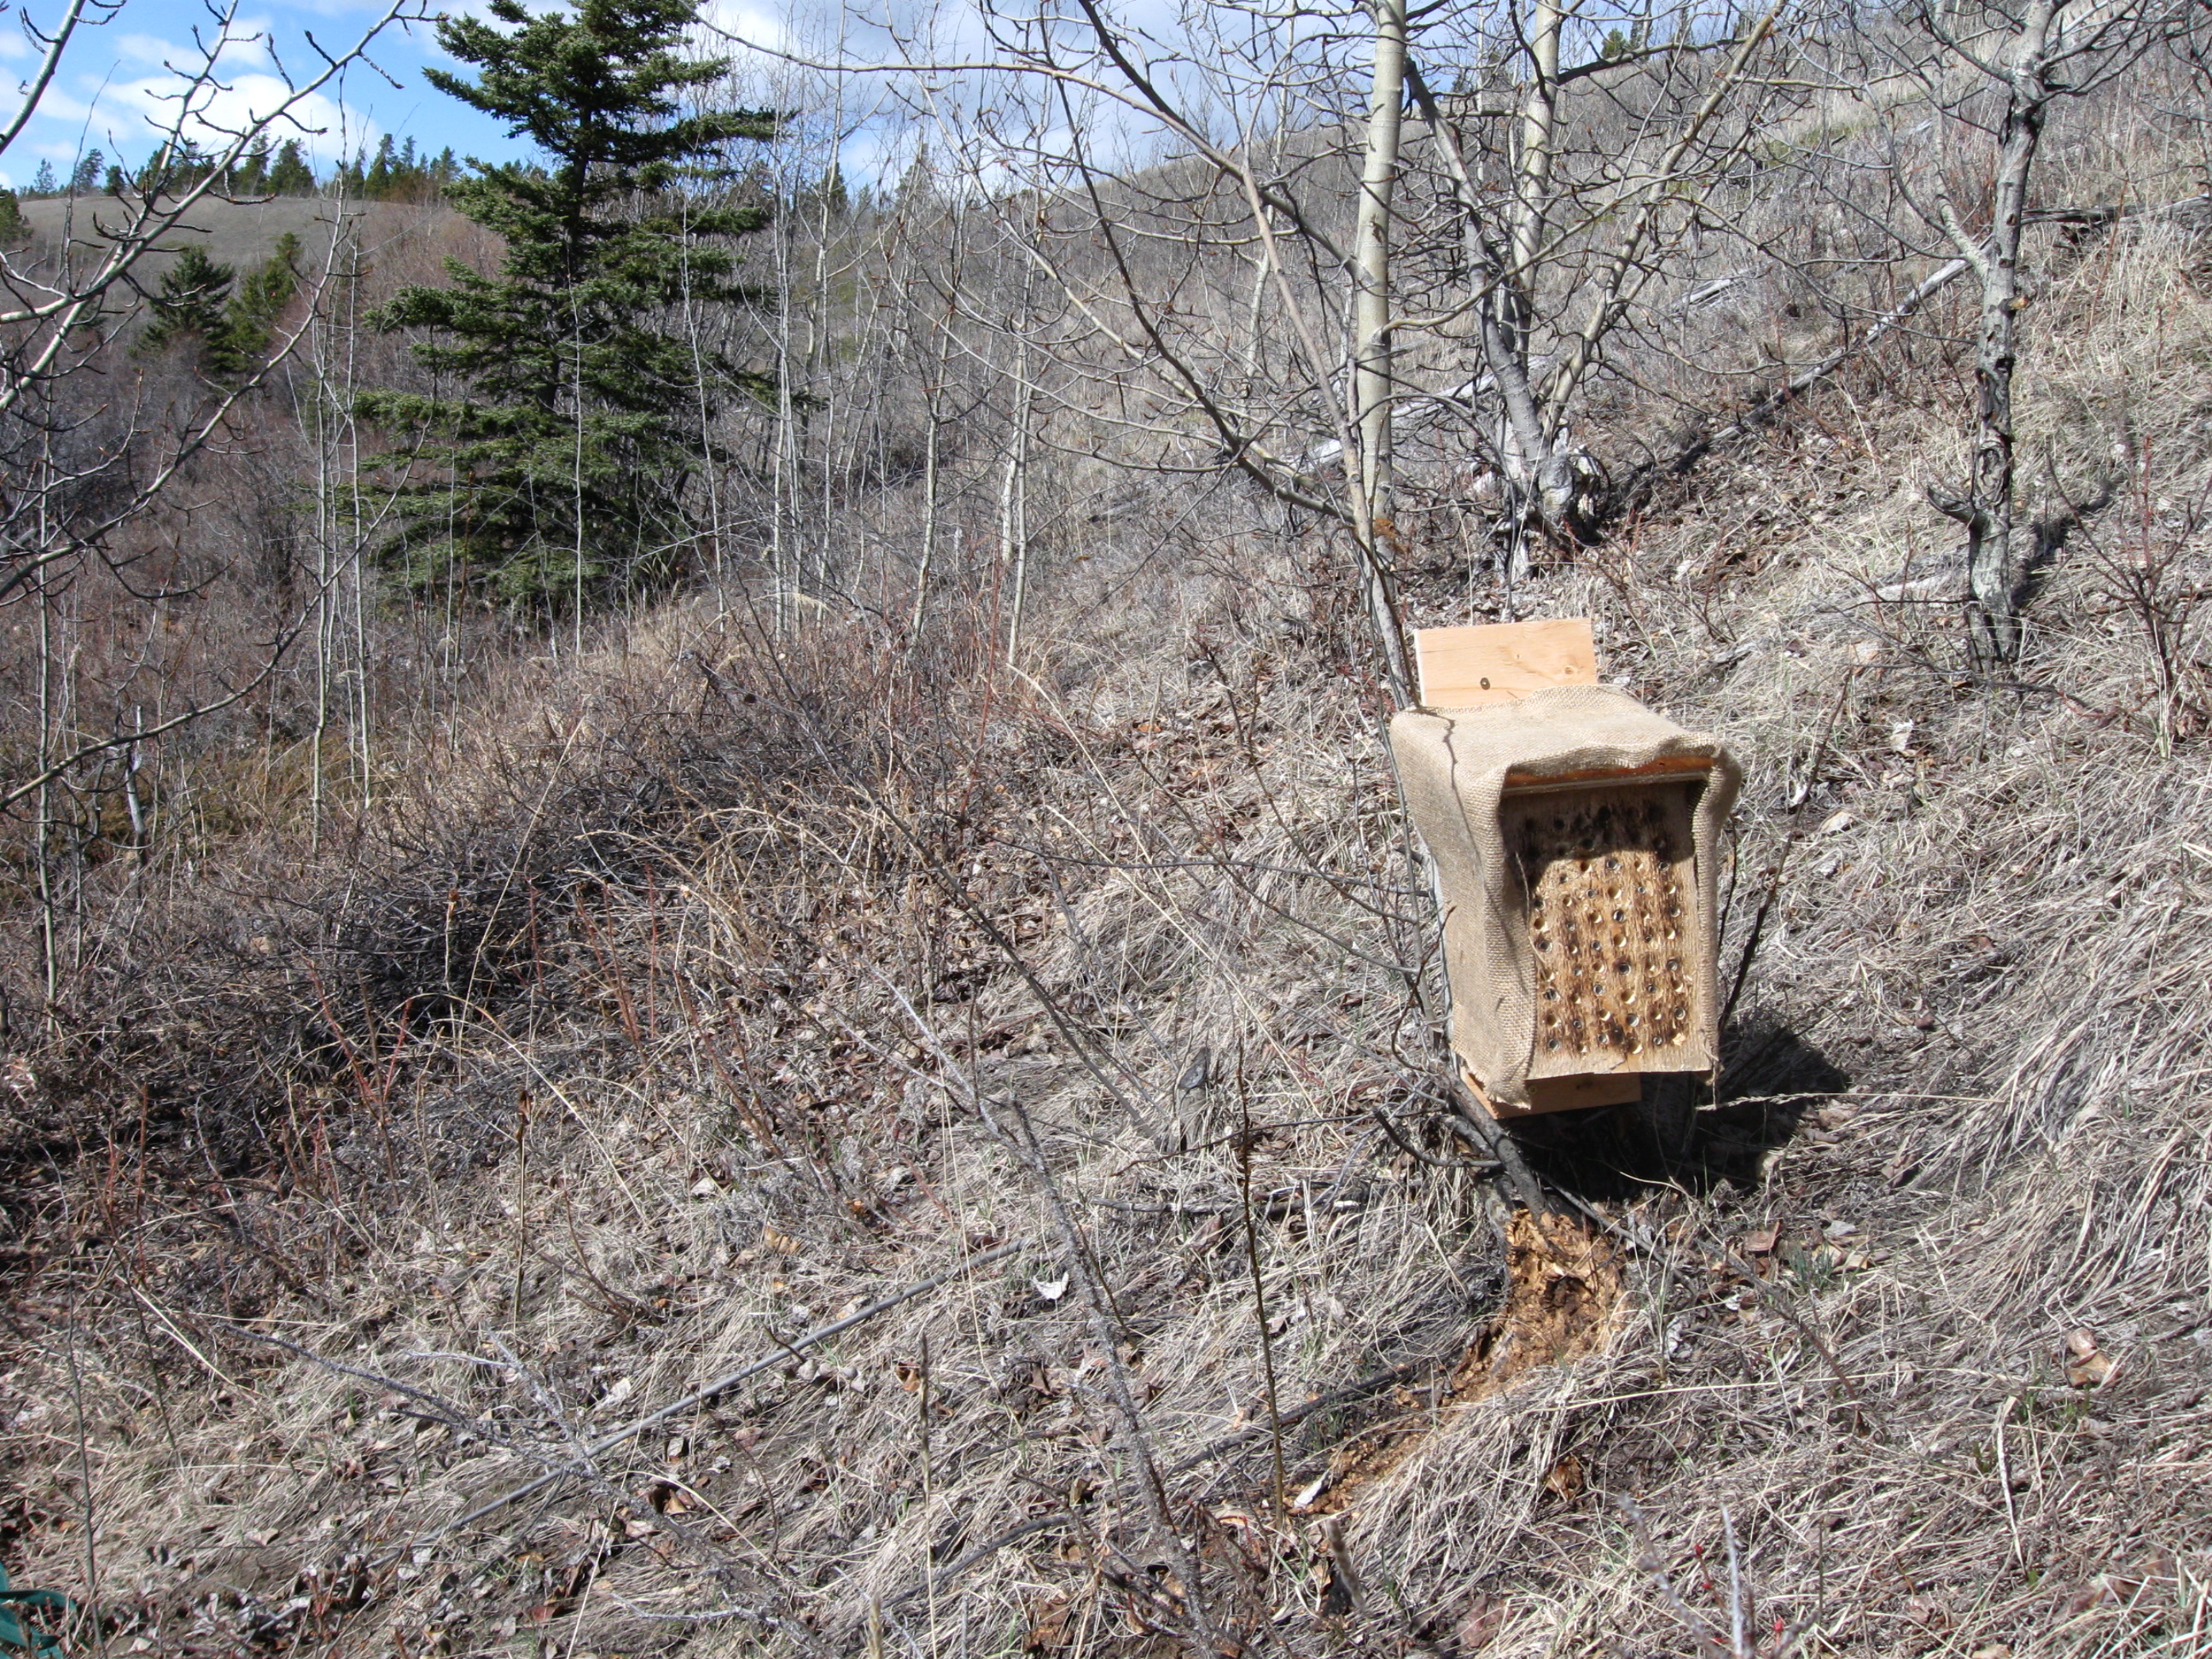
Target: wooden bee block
[
  {"x": 1497, "y": 662},
  {"x": 1562, "y": 1094},
  {"x": 1613, "y": 927}
]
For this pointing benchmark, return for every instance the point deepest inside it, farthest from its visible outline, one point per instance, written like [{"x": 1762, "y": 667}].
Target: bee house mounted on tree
[{"x": 1576, "y": 838}]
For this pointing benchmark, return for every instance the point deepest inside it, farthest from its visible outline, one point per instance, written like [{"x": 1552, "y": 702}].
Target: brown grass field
[{"x": 385, "y": 1231}]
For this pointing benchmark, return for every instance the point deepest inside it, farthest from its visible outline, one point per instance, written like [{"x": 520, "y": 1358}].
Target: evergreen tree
[
  {"x": 251, "y": 176},
  {"x": 561, "y": 460},
  {"x": 239, "y": 344},
  {"x": 43, "y": 183},
  {"x": 377, "y": 184},
  {"x": 289, "y": 174},
  {"x": 13, "y": 226},
  {"x": 86, "y": 179},
  {"x": 190, "y": 304},
  {"x": 116, "y": 184}
]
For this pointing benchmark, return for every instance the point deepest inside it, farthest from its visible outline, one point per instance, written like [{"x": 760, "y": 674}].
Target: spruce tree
[
  {"x": 376, "y": 183},
  {"x": 290, "y": 175},
  {"x": 190, "y": 304},
  {"x": 556, "y": 458},
  {"x": 238, "y": 345},
  {"x": 251, "y": 176}
]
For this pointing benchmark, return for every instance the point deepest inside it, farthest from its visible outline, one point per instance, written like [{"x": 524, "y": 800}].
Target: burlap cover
[{"x": 1452, "y": 765}]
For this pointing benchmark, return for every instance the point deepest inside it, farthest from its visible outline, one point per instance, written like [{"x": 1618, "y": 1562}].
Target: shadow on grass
[{"x": 1687, "y": 1133}]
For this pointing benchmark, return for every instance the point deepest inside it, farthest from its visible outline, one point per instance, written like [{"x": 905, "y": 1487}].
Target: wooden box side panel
[
  {"x": 1562, "y": 1094},
  {"x": 1614, "y": 922},
  {"x": 1501, "y": 662}
]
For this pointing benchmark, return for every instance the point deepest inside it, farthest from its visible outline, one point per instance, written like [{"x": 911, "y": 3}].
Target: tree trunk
[
  {"x": 1371, "y": 364},
  {"x": 1993, "y": 571},
  {"x": 1541, "y": 479},
  {"x": 1371, "y": 377}
]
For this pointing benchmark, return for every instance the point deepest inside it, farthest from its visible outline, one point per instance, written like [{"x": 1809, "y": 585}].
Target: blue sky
[{"x": 118, "y": 82}]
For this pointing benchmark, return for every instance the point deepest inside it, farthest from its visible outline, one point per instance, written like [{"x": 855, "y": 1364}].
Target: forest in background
[{"x": 607, "y": 762}]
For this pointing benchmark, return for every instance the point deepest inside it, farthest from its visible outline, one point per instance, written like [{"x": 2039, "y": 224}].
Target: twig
[
  {"x": 1485, "y": 1166},
  {"x": 1152, "y": 1485},
  {"x": 982, "y": 1551},
  {"x": 1470, "y": 1123},
  {"x": 721, "y": 1385},
  {"x": 1259, "y": 1285}
]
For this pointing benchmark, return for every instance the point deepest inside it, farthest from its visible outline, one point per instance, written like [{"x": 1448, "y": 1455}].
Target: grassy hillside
[
  {"x": 705, "y": 991},
  {"x": 239, "y": 234}
]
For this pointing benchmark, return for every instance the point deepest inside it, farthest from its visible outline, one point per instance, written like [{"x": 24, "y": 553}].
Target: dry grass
[{"x": 716, "y": 986}]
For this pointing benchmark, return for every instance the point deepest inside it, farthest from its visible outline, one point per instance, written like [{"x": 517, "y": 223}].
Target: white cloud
[
  {"x": 129, "y": 116},
  {"x": 748, "y": 23}
]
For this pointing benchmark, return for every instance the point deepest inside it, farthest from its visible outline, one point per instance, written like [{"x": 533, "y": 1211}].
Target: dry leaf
[
  {"x": 1762, "y": 1240},
  {"x": 1048, "y": 1624},
  {"x": 1564, "y": 1482},
  {"x": 2087, "y": 1365},
  {"x": 1483, "y": 1622}
]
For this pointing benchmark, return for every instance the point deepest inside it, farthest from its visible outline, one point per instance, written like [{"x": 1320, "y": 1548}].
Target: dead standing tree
[
  {"x": 1552, "y": 219},
  {"x": 1575, "y": 189},
  {"x": 1997, "y": 72}
]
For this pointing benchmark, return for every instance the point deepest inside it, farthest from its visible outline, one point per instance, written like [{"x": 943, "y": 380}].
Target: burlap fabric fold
[{"x": 1452, "y": 765}]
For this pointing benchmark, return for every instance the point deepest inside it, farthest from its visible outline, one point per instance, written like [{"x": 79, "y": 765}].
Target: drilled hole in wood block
[{"x": 1613, "y": 919}]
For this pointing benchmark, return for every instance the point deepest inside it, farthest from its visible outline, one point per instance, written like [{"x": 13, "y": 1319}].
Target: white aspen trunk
[
  {"x": 1024, "y": 413},
  {"x": 1012, "y": 552},
  {"x": 933, "y": 399},
  {"x": 1254, "y": 318},
  {"x": 326, "y": 516},
  {"x": 1534, "y": 482},
  {"x": 693, "y": 326},
  {"x": 1371, "y": 351},
  {"x": 576, "y": 477},
  {"x": 1371, "y": 377},
  {"x": 42, "y": 817},
  {"x": 781, "y": 463},
  {"x": 1531, "y": 179},
  {"x": 364, "y": 727},
  {"x": 1501, "y": 312},
  {"x": 821, "y": 385}
]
